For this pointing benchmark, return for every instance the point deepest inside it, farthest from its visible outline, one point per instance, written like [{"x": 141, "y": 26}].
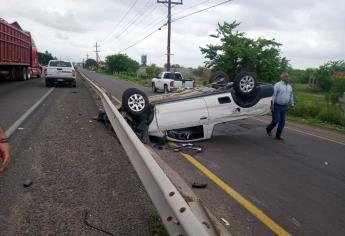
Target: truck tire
[
  {"x": 135, "y": 102},
  {"x": 24, "y": 74},
  {"x": 245, "y": 83},
  {"x": 154, "y": 89},
  {"x": 166, "y": 90},
  {"x": 219, "y": 79}
]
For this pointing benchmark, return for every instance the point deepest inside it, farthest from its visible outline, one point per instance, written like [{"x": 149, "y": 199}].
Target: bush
[
  {"x": 334, "y": 97},
  {"x": 332, "y": 115},
  {"x": 306, "y": 111}
]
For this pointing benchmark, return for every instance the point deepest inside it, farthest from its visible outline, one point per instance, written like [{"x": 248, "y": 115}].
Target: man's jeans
[{"x": 278, "y": 116}]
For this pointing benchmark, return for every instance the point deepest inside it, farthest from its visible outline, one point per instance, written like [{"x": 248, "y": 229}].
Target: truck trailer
[{"x": 18, "y": 53}]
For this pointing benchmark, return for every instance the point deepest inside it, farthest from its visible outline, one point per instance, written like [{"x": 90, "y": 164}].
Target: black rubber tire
[
  {"x": 166, "y": 88},
  {"x": 48, "y": 84},
  {"x": 243, "y": 79},
  {"x": 154, "y": 89},
  {"x": 219, "y": 79},
  {"x": 127, "y": 95},
  {"x": 24, "y": 74}
]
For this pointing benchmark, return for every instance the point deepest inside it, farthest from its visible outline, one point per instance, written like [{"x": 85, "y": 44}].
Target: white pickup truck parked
[{"x": 170, "y": 81}]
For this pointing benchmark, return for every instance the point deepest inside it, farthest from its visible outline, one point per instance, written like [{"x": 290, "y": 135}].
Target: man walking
[
  {"x": 4, "y": 152},
  {"x": 282, "y": 96}
]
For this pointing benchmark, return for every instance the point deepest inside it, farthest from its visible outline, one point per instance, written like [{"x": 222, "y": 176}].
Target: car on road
[
  {"x": 60, "y": 73},
  {"x": 192, "y": 114},
  {"x": 170, "y": 81}
]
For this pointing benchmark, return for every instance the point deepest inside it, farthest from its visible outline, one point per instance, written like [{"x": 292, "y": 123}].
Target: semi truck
[{"x": 18, "y": 53}]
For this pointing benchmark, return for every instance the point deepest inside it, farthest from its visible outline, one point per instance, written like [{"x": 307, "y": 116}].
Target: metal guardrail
[{"x": 176, "y": 214}]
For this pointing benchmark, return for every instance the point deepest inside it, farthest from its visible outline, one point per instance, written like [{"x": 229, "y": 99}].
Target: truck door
[
  {"x": 181, "y": 114},
  {"x": 178, "y": 81}
]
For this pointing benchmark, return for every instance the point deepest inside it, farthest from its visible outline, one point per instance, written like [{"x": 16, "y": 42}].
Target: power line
[
  {"x": 138, "y": 19},
  {"x": 176, "y": 19},
  {"x": 207, "y": 8},
  {"x": 195, "y": 5},
  {"x": 123, "y": 17},
  {"x": 139, "y": 41},
  {"x": 139, "y": 14}
]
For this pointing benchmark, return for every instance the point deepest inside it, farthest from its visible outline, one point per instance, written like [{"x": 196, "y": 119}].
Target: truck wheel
[
  {"x": 245, "y": 83},
  {"x": 28, "y": 73},
  {"x": 135, "y": 102},
  {"x": 154, "y": 89},
  {"x": 24, "y": 74},
  {"x": 219, "y": 79},
  {"x": 166, "y": 88}
]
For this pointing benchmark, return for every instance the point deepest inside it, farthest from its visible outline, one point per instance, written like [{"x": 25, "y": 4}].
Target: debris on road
[
  {"x": 326, "y": 163},
  {"x": 199, "y": 185},
  {"x": 225, "y": 221},
  {"x": 94, "y": 227},
  {"x": 27, "y": 183}
]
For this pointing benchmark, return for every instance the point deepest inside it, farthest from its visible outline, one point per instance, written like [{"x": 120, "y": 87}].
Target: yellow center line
[{"x": 235, "y": 195}]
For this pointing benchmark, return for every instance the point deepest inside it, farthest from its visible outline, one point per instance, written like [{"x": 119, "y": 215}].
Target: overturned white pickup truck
[{"x": 191, "y": 115}]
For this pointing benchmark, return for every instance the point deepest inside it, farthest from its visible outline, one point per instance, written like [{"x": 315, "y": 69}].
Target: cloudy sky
[{"x": 312, "y": 32}]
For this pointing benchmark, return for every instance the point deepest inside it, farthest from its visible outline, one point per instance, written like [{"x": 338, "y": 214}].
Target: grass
[
  {"x": 312, "y": 108},
  {"x": 156, "y": 225}
]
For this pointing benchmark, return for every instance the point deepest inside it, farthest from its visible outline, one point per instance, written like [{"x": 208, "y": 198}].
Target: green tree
[
  {"x": 152, "y": 70},
  {"x": 44, "y": 58},
  {"x": 89, "y": 63},
  {"x": 121, "y": 63},
  {"x": 298, "y": 75},
  {"x": 237, "y": 53},
  {"x": 339, "y": 85}
]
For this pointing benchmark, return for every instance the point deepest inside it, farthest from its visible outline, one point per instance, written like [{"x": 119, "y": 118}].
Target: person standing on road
[
  {"x": 282, "y": 96},
  {"x": 4, "y": 151}
]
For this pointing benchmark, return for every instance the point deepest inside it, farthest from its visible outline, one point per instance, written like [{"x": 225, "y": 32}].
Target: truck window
[
  {"x": 178, "y": 76},
  {"x": 60, "y": 64},
  {"x": 167, "y": 75}
]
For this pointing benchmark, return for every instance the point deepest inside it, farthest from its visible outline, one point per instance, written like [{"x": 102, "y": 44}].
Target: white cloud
[{"x": 311, "y": 32}]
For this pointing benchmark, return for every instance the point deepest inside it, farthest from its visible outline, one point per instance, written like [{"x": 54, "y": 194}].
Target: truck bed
[{"x": 15, "y": 44}]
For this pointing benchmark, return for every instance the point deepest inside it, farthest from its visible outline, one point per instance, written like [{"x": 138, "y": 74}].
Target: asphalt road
[
  {"x": 299, "y": 183},
  {"x": 77, "y": 167}
]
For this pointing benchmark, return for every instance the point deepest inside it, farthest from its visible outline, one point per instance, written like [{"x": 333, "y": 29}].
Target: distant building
[{"x": 143, "y": 60}]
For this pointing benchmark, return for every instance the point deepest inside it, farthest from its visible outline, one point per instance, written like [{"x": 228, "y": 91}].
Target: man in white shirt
[{"x": 282, "y": 97}]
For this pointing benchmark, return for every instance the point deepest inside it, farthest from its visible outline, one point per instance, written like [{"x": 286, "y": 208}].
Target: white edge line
[
  {"x": 306, "y": 133},
  {"x": 16, "y": 124}
]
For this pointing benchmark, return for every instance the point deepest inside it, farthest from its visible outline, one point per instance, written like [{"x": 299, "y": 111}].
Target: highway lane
[
  {"x": 77, "y": 166},
  {"x": 16, "y": 97},
  {"x": 115, "y": 87},
  {"x": 298, "y": 183}
]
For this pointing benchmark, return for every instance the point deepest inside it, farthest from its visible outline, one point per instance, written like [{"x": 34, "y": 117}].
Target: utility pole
[
  {"x": 170, "y": 3},
  {"x": 97, "y": 56},
  {"x": 87, "y": 56}
]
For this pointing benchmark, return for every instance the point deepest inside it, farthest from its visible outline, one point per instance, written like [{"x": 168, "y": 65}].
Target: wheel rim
[
  {"x": 247, "y": 84},
  {"x": 136, "y": 102}
]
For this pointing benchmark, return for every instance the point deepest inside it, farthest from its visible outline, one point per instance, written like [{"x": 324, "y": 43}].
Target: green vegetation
[
  {"x": 140, "y": 79},
  {"x": 236, "y": 53},
  {"x": 44, "y": 58},
  {"x": 317, "y": 107},
  {"x": 156, "y": 225},
  {"x": 90, "y": 63},
  {"x": 118, "y": 63},
  {"x": 152, "y": 70}
]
